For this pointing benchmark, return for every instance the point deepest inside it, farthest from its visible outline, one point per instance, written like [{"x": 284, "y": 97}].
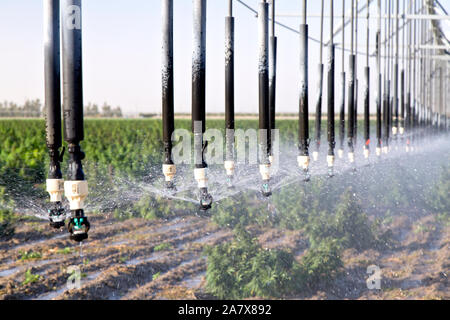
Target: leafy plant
[
  {"x": 29, "y": 255},
  {"x": 163, "y": 247},
  {"x": 30, "y": 278}
]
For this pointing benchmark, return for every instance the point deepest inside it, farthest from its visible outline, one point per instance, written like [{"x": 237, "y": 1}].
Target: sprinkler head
[
  {"x": 170, "y": 186},
  {"x": 330, "y": 161},
  {"x": 265, "y": 189},
  {"x": 78, "y": 226},
  {"x": 315, "y": 156},
  {"x": 57, "y": 216},
  {"x": 205, "y": 199}
]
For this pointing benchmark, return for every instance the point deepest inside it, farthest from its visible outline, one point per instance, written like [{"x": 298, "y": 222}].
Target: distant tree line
[{"x": 35, "y": 109}]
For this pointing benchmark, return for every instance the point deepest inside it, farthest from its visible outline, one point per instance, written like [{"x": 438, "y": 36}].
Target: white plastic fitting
[
  {"x": 366, "y": 153},
  {"x": 407, "y": 148},
  {"x": 55, "y": 187},
  {"x": 76, "y": 192},
  {"x": 315, "y": 156},
  {"x": 169, "y": 171},
  {"x": 200, "y": 177},
  {"x": 340, "y": 153},
  {"x": 229, "y": 167},
  {"x": 303, "y": 162},
  {"x": 271, "y": 159},
  {"x": 378, "y": 151},
  {"x": 351, "y": 157},
  {"x": 330, "y": 161},
  {"x": 264, "y": 170},
  {"x": 394, "y": 130},
  {"x": 385, "y": 150},
  {"x": 402, "y": 130}
]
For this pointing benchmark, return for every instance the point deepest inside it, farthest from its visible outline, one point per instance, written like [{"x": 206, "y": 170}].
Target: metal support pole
[
  {"x": 351, "y": 95},
  {"x": 272, "y": 77},
  {"x": 303, "y": 129},
  {"x": 367, "y": 92},
  {"x": 76, "y": 188},
  {"x": 263, "y": 74},
  {"x": 342, "y": 103},
  {"x": 55, "y": 182},
  {"x": 167, "y": 90},
  {"x": 198, "y": 100},
  {"x": 379, "y": 81},
  {"x": 318, "y": 122},
  {"x": 330, "y": 110},
  {"x": 229, "y": 92}
]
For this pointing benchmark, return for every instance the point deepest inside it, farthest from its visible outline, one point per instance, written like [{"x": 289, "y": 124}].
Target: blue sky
[{"x": 121, "y": 48}]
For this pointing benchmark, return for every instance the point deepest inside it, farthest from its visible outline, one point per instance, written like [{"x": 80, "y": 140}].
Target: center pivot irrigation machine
[{"x": 411, "y": 96}]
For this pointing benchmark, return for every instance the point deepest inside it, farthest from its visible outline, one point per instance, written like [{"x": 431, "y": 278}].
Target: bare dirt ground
[{"x": 141, "y": 259}]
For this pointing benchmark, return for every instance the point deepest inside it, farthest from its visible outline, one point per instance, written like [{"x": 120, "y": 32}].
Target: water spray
[
  {"x": 229, "y": 93},
  {"x": 263, "y": 74},
  {"x": 76, "y": 187},
  {"x": 303, "y": 128},
  {"x": 55, "y": 181},
  {"x": 169, "y": 169},
  {"x": 198, "y": 102},
  {"x": 330, "y": 110}
]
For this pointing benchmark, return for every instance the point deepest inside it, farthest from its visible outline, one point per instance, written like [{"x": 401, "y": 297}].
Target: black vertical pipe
[
  {"x": 351, "y": 103},
  {"x": 167, "y": 79},
  {"x": 73, "y": 87},
  {"x": 272, "y": 75},
  {"x": 303, "y": 128},
  {"x": 342, "y": 105},
  {"x": 263, "y": 74},
  {"x": 351, "y": 89},
  {"x": 229, "y": 84},
  {"x": 367, "y": 108},
  {"x": 318, "y": 122},
  {"x": 331, "y": 88},
  {"x": 199, "y": 81},
  {"x": 356, "y": 86},
  {"x": 52, "y": 86},
  {"x": 396, "y": 75},
  {"x": 379, "y": 80}
]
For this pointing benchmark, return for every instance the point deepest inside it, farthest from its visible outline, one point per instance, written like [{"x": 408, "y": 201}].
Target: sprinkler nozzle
[
  {"x": 407, "y": 149},
  {"x": 351, "y": 157},
  {"x": 205, "y": 199},
  {"x": 402, "y": 130},
  {"x": 229, "y": 167},
  {"x": 315, "y": 156},
  {"x": 55, "y": 187},
  {"x": 366, "y": 153},
  {"x": 330, "y": 161},
  {"x": 394, "y": 131},
  {"x": 57, "y": 215},
  {"x": 265, "y": 189},
  {"x": 169, "y": 171},
  {"x": 271, "y": 159},
  {"x": 264, "y": 170},
  {"x": 303, "y": 162},
  {"x": 385, "y": 150},
  {"x": 378, "y": 151},
  {"x": 341, "y": 153},
  {"x": 78, "y": 226}
]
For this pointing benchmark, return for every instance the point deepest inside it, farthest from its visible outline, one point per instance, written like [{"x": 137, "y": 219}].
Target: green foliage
[
  {"x": 30, "y": 278},
  {"x": 163, "y": 247},
  {"x": 66, "y": 250},
  {"x": 29, "y": 255},
  {"x": 321, "y": 263},
  {"x": 156, "y": 276},
  {"x": 243, "y": 269},
  {"x": 439, "y": 197},
  {"x": 7, "y": 220}
]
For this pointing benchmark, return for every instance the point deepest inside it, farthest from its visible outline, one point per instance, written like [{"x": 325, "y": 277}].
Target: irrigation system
[{"x": 411, "y": 84}]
